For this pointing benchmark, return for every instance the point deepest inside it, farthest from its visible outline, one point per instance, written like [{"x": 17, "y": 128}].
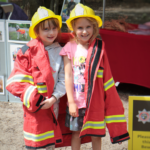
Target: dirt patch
[{"x": 11, "y": 122}]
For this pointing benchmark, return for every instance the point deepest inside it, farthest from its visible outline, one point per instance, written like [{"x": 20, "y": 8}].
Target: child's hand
[
  {"x": 73, "y": 109},
  {"x": 48, "y": 102}
]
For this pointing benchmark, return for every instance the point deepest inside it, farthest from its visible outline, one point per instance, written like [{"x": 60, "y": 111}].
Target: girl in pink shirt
[{"x": 85, "y": 29}]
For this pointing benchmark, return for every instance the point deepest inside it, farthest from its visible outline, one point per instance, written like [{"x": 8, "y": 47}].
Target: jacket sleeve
[
  {"x": 60, "y": 89},
  {"x": 21, "y": 84},
  {"x": 114, "y": 110}
]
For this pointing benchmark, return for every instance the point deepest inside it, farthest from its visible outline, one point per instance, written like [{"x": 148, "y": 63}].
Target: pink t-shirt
[{"x": 77, "y": 55}]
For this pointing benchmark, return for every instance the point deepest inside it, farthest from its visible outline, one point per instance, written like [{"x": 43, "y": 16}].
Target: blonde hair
[
  {"x": 95, "y": 28},
  {"x": 41, "y": 25}
]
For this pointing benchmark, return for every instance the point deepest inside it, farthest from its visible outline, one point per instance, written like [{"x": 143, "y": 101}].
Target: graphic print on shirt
[{"x": 79, "y": 68}]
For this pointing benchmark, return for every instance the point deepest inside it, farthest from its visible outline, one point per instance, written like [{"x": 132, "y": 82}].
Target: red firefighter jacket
[
  {"x": 32, "y": 80},
  {"x": 104, "y": 107},
  {"x": 103, "y": 103}
]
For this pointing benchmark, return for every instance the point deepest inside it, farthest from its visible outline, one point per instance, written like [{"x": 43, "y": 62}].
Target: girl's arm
[
  {"x": 59, "y": 89},
  {"x": 73, "y": 109}
]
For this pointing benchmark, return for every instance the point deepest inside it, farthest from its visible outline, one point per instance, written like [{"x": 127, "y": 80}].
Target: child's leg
[
  {"x": 96, "y": 142},
  {"x": 76, "y": 140},
  {"x": 50, "y": 147}
]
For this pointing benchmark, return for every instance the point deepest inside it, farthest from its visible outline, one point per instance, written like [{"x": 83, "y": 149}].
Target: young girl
[
  {"x": 38, "y": 79},
  {"x": 92, "y": 98}
]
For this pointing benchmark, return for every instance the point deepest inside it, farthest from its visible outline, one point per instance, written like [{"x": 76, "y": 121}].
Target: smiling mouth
[
  {"x": 50, "y": 37},
  {"x": 85, "y": 36}
]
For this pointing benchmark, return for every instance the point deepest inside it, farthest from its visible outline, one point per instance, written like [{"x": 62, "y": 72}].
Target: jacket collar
[{"x": 92, "y": 64}]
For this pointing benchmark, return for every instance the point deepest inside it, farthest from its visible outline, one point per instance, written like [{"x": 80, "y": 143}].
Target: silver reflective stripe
[
  {"x": 27, "y": 96},
  {"x": 100, "y": 73},
  {"x": 115, "y": 118},
  {"x": 38, "y": 137},
  {"x": 108, "y": 84},
  {"x": 42, "y": 88},
  {"x": 20, "y": 78},
  {"x": 94, "y": 125}
]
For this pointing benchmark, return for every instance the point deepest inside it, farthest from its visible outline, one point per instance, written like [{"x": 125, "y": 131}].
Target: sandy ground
[{"x": 11, "y": 122}]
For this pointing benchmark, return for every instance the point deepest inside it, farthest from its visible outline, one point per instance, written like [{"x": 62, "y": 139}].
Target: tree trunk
[
  {"x": 33, "y": 6},
  {"x": 56, "y": 6},
  {"x": 52, "y": 5}
]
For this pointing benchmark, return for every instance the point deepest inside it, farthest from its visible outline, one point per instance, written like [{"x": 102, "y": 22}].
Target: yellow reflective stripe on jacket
[
  {"x": 109, "y": 84},
  {"x": 100, "y": 74},
  {"x": 93, "y": 125},
  {"x": 27, "y": 95},
  {"x": 42, "y": 88},
  {"x": 39, "y": 137},
  {"x": 115, "y": 118},
  {"x": 20, "y": 78}
]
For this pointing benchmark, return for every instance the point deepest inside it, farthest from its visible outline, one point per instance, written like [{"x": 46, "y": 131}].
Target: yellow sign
[{"x": 139, "y": 123}]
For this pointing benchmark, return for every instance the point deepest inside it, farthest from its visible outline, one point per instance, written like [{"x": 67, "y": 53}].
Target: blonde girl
[{"x": 92, "y": 96}]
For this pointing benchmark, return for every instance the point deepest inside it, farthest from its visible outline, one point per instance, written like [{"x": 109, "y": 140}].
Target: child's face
[
  {"x": 83, "y": 30},
  {"x": 48, "y": 34}
]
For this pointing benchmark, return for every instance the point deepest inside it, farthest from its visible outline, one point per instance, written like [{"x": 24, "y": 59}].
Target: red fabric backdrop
[{"x": 129, "y": 56}]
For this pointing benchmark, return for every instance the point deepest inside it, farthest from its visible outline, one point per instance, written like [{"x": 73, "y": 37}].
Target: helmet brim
[
  {"x": 97, "y": 18},
  {"x": 31, "y": 29}
]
